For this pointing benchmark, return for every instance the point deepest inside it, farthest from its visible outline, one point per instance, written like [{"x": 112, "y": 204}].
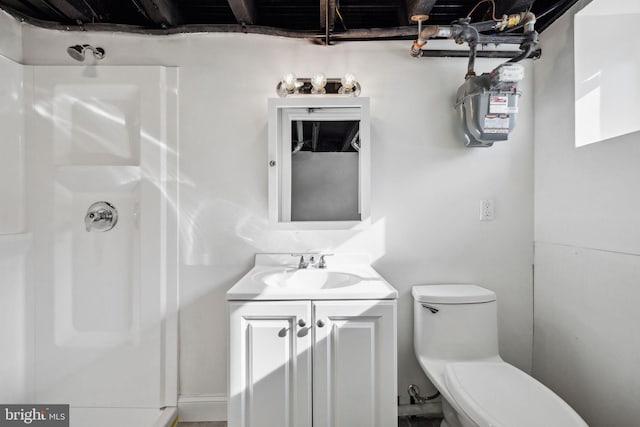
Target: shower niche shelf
[
  {"x": 97, "y": 124},
  {"x": 97, "y": 178}
]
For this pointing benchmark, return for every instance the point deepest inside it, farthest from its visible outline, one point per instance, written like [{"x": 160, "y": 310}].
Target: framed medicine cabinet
[{"x": 319, "y": 161}]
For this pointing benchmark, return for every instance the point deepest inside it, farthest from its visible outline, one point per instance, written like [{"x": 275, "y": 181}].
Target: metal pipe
[
  {"x": 465, "y": 31},
  {"x": 529, "y": 22},
  {"x": 426, "y": 410},
  {"x": 506, "y": 54},
  {"x": 531, "y": 37},
  {"x": 473, "y": 49},
  {"x": 428, "y": 32}
]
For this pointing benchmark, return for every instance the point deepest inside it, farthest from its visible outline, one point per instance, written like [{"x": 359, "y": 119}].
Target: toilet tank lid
[{"x": 452, "y": 294}]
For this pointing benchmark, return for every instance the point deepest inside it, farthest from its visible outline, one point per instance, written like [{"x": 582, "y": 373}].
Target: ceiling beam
[
  {"x": 244, "y": 11},
  {"x": 550, "y": 12},
  {"x": 76, "y": 10},
  {"x": 353, "y": 132},
  {"x": 327, "y": 14},
  {"x": 36, "y": 8},
  {"x": 163, "y": 13},
  {"x": 507, "y": 7}
]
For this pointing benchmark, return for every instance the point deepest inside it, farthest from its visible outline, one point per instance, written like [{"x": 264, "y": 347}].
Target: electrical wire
[
  {"x": 340, "y": 15},
  {"x": 493, "y": 13}
]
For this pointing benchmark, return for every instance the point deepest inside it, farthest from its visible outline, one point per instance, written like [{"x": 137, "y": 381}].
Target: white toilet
[{"x": 456, "y": 341}]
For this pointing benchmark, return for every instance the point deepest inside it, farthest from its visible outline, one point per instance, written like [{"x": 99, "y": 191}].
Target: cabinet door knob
[
  {"x": 320, "y": 323},
  {"x": 302, "y": 323}
]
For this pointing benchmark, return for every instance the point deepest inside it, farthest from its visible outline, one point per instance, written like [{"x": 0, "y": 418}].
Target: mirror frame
[{"x": 278, "y": 110}]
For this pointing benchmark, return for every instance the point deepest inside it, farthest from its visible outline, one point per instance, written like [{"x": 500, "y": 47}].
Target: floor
[{"x": 402, "y": 422}]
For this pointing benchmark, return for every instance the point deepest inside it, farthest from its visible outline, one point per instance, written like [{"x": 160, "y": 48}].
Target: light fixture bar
[{"x": 333, "y": 86}]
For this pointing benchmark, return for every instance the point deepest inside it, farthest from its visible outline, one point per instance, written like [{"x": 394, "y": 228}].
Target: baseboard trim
[{"x": 207, "y": 407}]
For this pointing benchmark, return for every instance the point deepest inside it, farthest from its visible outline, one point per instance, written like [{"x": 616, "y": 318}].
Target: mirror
[{"x": 319, "y": 161}]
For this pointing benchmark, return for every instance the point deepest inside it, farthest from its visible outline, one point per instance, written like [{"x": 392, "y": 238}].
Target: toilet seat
[{"x": 497, "y": 394}]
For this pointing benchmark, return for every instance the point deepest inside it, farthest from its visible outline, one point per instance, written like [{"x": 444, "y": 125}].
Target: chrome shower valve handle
[{"x": 101, "y": 216}]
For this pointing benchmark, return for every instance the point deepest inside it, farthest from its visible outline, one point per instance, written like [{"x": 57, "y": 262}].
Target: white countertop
[{"x": 363, "y": 282}]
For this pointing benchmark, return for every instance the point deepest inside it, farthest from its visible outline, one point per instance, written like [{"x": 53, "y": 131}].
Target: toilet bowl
[{"x": 456, "y": 343}]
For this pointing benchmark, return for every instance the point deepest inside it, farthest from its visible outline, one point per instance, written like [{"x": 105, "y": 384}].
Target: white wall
[
  {"x": 10, "y": 37},
  {"x": 602, "y": 109},
  {"x": 426, "y": 186},
  {"x": 587, "y": 254}
]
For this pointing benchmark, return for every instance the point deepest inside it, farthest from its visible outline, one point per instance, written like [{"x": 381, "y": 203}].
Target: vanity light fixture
[{"x": 319, "y": 84}]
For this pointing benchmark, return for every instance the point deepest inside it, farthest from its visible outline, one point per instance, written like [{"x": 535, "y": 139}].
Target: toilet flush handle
[{"x": 431, "y": 309}]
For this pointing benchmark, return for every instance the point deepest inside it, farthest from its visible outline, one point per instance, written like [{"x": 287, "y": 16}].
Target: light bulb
[
  {"x": 318, "y": 82},
  {"x": 348, "y": 81},
  {"x": 289, "y": 82}
]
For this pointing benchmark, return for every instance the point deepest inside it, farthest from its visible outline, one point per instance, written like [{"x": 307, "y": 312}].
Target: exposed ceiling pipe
[
  {"x": 506, "y": 54},
  {"x": 457, "y": 28},
  {"x": 463, "y": 31},
  {"x": 531, "y": 35},
  {"x": 419, "y": 10}
]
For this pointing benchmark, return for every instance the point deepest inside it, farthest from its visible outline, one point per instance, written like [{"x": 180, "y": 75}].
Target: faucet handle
[
  {"x": 322, "y": 263},
  {"x": 101, "y": 216},
  {"x": 301, "y": 263}
]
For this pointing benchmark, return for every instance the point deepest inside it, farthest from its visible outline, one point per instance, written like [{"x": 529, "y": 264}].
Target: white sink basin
[
  {"x": 276, "y": 277},
  {"x": 308, "y": 279}
]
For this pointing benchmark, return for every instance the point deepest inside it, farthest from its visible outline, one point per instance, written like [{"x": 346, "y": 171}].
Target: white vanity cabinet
[
  {"x": 269, "y": 364},
  {"x": 304, "y": 363}
]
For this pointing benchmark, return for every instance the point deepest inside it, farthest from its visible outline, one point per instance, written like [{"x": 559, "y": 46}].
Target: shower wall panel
[
  {"x": 13, "y": 241},
  {"x": 13, "y": 315},
  {"x": 12, "y": 194},
  {"x": 103, "y": 134},
  {"x": 107, "y": 316}
]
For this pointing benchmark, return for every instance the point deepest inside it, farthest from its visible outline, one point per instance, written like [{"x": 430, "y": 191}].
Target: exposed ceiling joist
[
  {"x": 327, "y": 14},
  {"x": 77, "y": 10},
  {"x": 355, "y": 129},
  {"x": 39, "y": 8},
  {"x": 163, "y": 13},
  {"x": 506, "y": 7},
  {"x": 363, "y": 19},
  {"x": 244, "y": 11}
]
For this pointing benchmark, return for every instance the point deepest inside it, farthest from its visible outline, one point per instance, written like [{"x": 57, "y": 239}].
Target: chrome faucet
[
  {"x": 101, "y": 216},
  {"x": 302, "y": 264},
  {"x": 321, "y": 263}
]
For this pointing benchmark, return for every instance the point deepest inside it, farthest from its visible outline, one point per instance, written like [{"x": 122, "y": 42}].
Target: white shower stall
[{"x": 91, "y": 315}]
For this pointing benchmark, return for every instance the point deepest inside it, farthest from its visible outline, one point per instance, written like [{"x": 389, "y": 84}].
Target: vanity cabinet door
[
  {"x": 355, "y": 364},
  {"x": 270, "y": 364}
]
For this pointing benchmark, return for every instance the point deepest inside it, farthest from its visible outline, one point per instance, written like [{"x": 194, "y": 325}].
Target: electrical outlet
[{"x": 487, "y": 210}]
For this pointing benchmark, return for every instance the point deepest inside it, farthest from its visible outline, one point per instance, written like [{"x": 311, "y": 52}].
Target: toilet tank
[{"x": 454, "y": 322}]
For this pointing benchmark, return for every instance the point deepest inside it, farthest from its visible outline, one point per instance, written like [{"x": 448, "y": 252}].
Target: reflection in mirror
[
  {"x": 319, "y": 160},
  {"x": 325, "y": 170}
]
